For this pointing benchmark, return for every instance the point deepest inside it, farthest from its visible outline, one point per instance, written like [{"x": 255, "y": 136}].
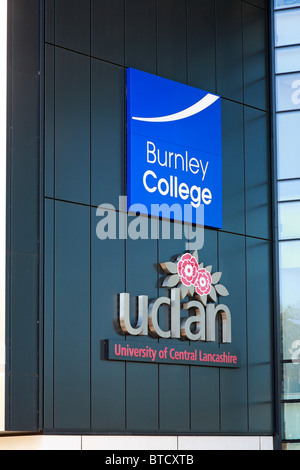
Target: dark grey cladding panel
[
  {"x": 257, "y": 173},
  {"x": 107, "y": 133},
  {"x": 256, "y": 57},
  {"x": 233, "y": 386},
  {"x": 229, "y": 34},
  {"x": 72, "y": 126},
  {"x": 174, "y": 398},
  {"x": 265, "y": 4},
  {"x": 23, "y": 203},
  {"x": 24, "y": 164},
  {"x": 72, "y": 25},
  {"x": 141, "y": 35},
  {"x": 201, "y": 44},
  {"x": 108, "y": 29},
  {"x": 233, "y": 162},
  {"x": 22, "y": 366},
  {"x": 172, "y": 40},
  {"x": 26, "y": 40},
  {"x": 48, "y": 303},
  {"x": 260, "y": 337},
  {"x": 108, "y": 405},
  {"x": 72, "y": 380},
  {"x": 49, "y": 137}
]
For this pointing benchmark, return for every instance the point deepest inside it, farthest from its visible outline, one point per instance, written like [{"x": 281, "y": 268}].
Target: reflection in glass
[
  {"x": 291, "y": 422},
  {"x": 288, "y": 149},
  {"x": 288, "y": 92},
  {"x": 289, "y": 190},
  {"x": 291, "y": 377},
  {"x": 289, "y": 220},
  {"x": 291, "y": 446},
  {"x": 289, "y": 270},
  {"x": 286, "y": 3},
  {"x": 287, "y": 29},
  {"x": 287, "y": 59}
]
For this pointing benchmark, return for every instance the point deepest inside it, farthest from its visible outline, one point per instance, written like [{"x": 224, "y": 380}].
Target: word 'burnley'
[{"x": 199, "y": 327}]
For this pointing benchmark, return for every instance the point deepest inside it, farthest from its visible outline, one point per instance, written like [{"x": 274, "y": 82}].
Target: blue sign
[{"x": 174, "y": 148}]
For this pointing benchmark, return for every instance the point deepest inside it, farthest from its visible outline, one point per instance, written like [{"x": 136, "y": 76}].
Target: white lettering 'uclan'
[{"x": 201, "y": 105}]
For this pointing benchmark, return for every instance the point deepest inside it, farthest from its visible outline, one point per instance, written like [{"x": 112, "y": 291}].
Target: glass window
[
  {"x": 291, "y": 376},
  {"x": 288, "y": 148},
  {"x": 291, "y": 422},
  {"x": 289, "y": 278},
  {"x": 288, "y": 91},
  {"x": 286, "y": 3},
  {"x": 291, "y": 446},
  {"x": 289, "y": 220},
  {"x": 287, "y": 68},
  {"x": 287, "y": 31},
  {"x": 289, "y": 190},
  {"x": 287, "y": 59}
]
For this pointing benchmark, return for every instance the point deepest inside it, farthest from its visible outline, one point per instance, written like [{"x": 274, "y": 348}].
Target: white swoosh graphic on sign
[{"x": 207, "y": 101}]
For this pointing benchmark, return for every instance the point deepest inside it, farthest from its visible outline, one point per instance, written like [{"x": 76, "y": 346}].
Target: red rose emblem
[
  {"x": 203, "y": 282},
  {"x": 188, "y": 269}
]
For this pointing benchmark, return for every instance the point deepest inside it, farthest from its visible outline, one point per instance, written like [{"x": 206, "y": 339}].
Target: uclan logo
[{"x": 186, "y": 279}]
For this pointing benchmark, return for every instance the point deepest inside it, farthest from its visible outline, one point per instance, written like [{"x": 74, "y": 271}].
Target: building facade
[
  {"x": 67, "y": 284},
  {"x": 286, "y": 42}
]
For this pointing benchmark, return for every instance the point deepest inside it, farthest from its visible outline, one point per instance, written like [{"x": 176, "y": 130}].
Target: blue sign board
[{"x": 174, "y": 148}]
